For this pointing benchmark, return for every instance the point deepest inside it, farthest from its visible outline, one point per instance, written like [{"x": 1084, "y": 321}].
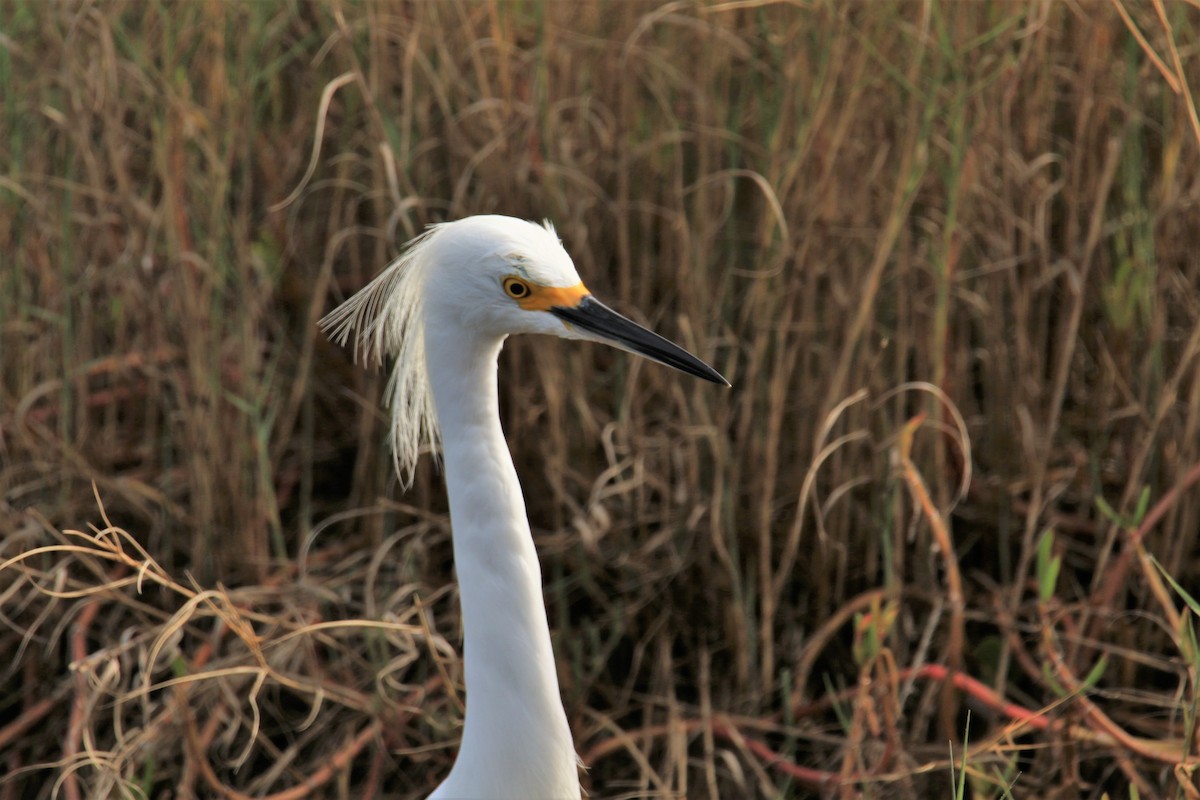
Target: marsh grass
[{"x": 944, "y": 251}]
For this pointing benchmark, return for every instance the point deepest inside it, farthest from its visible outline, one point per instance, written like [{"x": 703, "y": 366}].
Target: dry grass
[{"x": 945, "y": 251}]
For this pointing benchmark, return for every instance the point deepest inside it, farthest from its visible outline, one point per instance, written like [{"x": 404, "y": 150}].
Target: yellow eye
[{"x": 516, "y": 288}]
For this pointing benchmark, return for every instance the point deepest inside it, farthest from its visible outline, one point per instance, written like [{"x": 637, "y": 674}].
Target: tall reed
[{"x": 983, "y": 213}]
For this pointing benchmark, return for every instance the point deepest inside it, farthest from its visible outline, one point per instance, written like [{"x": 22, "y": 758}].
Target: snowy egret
[{"x": 443, "y": 310}]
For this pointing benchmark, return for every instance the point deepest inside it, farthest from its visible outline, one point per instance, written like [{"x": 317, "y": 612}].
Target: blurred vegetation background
[{"x": 945, "y": 251}]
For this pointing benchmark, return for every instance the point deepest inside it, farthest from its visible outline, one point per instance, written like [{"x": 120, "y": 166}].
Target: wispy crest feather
[{"x": 387, "y": 318}]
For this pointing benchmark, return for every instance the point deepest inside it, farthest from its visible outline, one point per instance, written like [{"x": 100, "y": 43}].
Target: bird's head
[
  {"x": 500, "y": 275},
  {"x": 495, "y": 276},
  {"x": 490, "y": 276}
]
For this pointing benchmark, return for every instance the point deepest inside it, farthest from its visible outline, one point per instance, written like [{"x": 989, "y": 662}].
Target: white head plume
[{"x": 387, "y": 317}]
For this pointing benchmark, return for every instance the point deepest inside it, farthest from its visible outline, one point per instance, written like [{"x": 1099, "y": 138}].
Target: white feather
[
  {"x": 387, "y": 319},
  {"x": 442, "y": 313}
]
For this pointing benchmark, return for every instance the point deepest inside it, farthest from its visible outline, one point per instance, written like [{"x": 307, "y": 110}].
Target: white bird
[{"x": 443, "y": 310}]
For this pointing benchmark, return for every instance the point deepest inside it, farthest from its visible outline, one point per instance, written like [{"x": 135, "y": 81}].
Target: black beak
[{"x": 601, "y": 321}]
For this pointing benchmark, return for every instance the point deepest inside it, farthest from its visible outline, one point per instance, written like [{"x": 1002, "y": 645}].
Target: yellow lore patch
[{"x": 532, "y": 297}]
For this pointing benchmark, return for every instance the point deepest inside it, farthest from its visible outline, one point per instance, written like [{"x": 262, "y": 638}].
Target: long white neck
[{"x": 516, "y": 741}]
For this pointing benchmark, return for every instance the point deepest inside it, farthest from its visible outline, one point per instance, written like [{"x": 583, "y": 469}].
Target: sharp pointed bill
[{"x": 598, "y": 320}]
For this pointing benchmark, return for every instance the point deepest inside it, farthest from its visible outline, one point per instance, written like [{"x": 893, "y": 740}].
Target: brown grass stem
[{"x": 955, "y": 641}]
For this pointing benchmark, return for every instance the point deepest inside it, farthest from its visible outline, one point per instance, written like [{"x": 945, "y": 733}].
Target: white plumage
[{"x": 443, "y": 310}]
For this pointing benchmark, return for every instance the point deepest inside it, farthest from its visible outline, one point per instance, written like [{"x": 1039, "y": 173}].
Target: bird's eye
[{"x": 516, "y": 288}]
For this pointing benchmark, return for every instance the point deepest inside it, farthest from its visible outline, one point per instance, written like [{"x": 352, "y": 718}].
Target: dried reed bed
[{"x": 945, "y": 252}]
